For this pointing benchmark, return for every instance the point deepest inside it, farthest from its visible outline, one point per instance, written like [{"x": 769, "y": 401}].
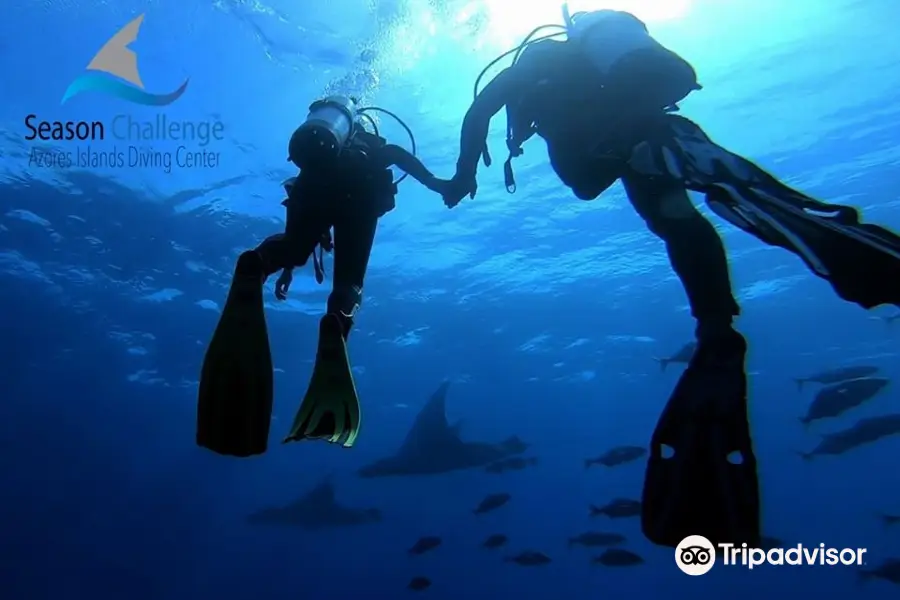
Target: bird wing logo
[{"x": 114, "y": 71}]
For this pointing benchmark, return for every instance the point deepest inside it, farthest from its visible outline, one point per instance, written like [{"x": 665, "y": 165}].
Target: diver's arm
[
  {"x": 504, "y": 88},
  {"x": 396, "y": 156}
]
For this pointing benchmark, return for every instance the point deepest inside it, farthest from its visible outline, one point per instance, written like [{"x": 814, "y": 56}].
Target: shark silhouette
[
  {"x": 432, "y": 446},
  {"x": 317, "y": 509}
]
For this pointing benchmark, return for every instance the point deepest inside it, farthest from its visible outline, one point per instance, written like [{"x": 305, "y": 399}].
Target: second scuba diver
[
  {"x": 602, "y": 100},
  {"x": 345, "y": 182}
]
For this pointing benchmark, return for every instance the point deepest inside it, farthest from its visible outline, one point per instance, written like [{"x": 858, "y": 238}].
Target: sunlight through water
[{"x": 509, "y": 21}]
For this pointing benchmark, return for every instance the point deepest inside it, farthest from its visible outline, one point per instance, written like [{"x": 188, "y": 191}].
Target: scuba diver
[
  {"x": 603, "y": 100},
  {"x": 345, "y": 183}
]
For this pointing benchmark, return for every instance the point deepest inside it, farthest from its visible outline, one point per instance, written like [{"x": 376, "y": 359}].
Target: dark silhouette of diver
[
  {"x": 345, "y": 183},
  {"x": 603, "y": 101}
]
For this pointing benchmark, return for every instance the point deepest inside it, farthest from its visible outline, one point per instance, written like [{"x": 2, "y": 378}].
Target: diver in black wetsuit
[
  {"x": 603, "y": 101},
  {"x": 349, "y": 195},
  {"x": 345, "y": 183}
]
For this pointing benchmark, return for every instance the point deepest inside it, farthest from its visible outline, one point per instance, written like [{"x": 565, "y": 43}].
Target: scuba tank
[
  {"x": 606, "y": 36},
  {"x": 328, "y": 127},
  {"x": 633, "y": 66}
]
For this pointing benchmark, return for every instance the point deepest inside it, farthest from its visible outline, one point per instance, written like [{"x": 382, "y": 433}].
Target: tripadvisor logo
[
  {"x": 123, "y": 141},
  {"x": 696, "y": 555}
]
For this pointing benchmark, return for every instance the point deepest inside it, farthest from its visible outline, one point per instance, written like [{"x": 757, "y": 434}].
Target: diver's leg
[
  {"x": 303, "y": 229},
  {"x": 353, "y": 239},
  {"x": 330, "y": 410},
  {"x": 694, "y": 247},
  {"x": 708, "y": 486}
]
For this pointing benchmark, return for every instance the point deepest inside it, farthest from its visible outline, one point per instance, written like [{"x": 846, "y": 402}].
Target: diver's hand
[
  {"x": 283, "y": 284},
  {"x": 443, "y": 187},
  {"x": 458, "y": 188}
]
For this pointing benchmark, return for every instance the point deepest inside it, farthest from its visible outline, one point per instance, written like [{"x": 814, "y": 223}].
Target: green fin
[
  {"x": 330, "y": 410},
  {"x": 234, "y": 403}
]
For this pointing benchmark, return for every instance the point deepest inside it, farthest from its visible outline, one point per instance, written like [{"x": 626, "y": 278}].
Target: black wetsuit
[
  {"x": 599, "y": 131},
  {"x": 590, "y": 131},
  {"x": 350, "y": 197}
]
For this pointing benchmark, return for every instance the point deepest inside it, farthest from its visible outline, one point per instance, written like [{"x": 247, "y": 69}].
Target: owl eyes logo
[
  {"x": 114, "y": 71},
  {"x": 695, "y": 555}
]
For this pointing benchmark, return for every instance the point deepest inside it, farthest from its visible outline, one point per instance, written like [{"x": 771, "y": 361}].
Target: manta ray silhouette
[
  {"x": 317, "y": 509},
  {"x": 432, "y": 446}
]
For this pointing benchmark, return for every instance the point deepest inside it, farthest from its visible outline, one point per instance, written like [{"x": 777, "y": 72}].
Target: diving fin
[
  {"x": 699, "y": 490},
  {"x": 829, "y": 238},
  {"x": 330, "y": 410},
  {"x": 234, "y": 404}
]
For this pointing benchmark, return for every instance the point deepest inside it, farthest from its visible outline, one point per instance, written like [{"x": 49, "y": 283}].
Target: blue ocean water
[{"x": 546, "y": 312}]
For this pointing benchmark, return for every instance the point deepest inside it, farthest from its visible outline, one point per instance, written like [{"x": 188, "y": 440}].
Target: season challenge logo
[
  {"x": 160, "y": 143},
  {"x": 123, "y": 141}
]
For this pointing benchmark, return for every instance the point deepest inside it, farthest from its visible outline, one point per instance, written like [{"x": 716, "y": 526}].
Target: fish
[
  {"x": 492, "y": 502},
  {"x": 424, "y": 544},
  {"x": 889, "y": 570},
  {"x": 316, "y": 510},
  {"x": 887, "y": 519},
  {"x": 617, "y": 557},
  {"x": 419, "y": 584},
  {"x": 617, "y": 509},
  {"x": 529, "y": 558},
  {"x": 864, "y": 431},
  {"x": 837, "y": 375},
  {"x": 617, "y": 456},
  {"x": 494, "y": 541},
  {"x": 432, "y": 446},
  {"x": 684, "y": 355},
  {"x": 835, "y": 400},
  {"x": 514, "y": 463},
  {"x": 890, "y": 318},
  {"x": 594, "y": 539}
]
